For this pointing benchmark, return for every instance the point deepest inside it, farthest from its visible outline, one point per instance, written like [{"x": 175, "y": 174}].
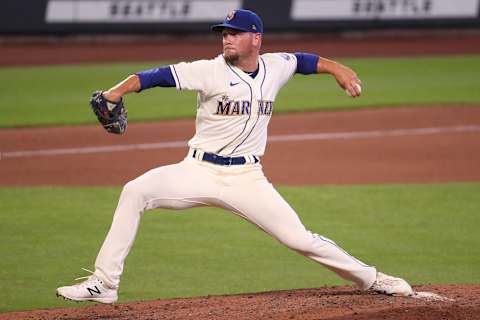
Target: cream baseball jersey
[{"x": 234, "y": 109}]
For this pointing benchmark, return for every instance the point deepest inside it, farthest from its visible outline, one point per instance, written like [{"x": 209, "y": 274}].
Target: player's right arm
[
  {"x": 157, "y": 77},
  {"x": 183, "y": 76},
  {"x": 130, "y": 84}
]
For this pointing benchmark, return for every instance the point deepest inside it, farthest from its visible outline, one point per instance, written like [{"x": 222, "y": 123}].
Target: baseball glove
[{"x": 112, "y": 116}]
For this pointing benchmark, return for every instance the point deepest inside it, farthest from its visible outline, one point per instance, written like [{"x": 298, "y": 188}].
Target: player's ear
[{"x": 257, "y": 40}]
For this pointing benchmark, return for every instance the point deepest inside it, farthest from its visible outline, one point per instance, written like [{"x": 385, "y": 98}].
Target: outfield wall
[{"x": 66, "y": 17}]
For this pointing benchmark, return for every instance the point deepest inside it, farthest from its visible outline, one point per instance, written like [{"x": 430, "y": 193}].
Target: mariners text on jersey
[{"x": 227, "y": 107}]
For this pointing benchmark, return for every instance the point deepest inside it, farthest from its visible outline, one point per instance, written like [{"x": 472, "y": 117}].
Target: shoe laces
[{"x": 89, "y": 278}]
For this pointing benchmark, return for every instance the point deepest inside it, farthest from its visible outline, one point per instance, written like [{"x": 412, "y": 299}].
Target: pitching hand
[
  {"x": 348, "y": 80},
  {"x": 346, "y": 77}
]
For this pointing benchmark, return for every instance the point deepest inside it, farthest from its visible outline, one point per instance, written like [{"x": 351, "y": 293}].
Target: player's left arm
[{"x": 346, "y": 78}]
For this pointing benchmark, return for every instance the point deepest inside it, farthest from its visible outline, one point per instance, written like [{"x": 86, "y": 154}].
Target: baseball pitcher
[{"x": 235, "y": 101}]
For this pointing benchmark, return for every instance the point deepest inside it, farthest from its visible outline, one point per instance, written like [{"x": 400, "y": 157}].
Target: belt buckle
[{"x": 227, "y": 161}]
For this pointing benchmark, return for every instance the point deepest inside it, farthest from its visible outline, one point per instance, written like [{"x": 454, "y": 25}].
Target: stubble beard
[{"x": 231, "y": 58}]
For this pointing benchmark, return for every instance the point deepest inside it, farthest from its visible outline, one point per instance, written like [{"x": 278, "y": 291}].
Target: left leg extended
[{"x": 262, "y": 205}]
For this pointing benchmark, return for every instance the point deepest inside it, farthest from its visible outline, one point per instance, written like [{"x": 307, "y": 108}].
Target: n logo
[{"x": 90, "y": 290}]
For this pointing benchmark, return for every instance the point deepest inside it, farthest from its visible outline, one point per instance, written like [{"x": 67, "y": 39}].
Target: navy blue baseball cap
[{"x": 241, "y": 19}]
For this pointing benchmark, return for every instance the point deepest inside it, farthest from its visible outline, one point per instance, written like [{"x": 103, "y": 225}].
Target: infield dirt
[
  {"x": 443, "y": 155},
  {"x": 399, "y": 145}
]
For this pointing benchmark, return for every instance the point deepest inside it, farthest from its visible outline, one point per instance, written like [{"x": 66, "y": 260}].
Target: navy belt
[{"x": 223, "y": 161}]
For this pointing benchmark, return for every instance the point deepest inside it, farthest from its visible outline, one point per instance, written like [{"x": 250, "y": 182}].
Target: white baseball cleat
[
  {"x": 92, "y": 289},
  {"x": 391, "y": 285}
]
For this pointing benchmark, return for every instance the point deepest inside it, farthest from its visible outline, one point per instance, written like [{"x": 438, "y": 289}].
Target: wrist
[
  {"x": 112, "y": 95},
  {"x": 326, "y": 66},
  {"x": 329, "y": 66}
]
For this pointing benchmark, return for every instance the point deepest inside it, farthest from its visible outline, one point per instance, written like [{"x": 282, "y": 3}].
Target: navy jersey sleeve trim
[
  {"x": 176, "y": 77},
  {"x": 306, "y": 63},
  {"x": 157, "y": 77}
]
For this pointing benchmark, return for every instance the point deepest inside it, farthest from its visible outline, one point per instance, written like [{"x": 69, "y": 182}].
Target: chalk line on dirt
[
  {"x": 274, "y": 138},
  {"x": 430, "y": 296}
]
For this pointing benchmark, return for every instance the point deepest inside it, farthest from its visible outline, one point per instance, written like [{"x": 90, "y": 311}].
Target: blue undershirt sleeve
[
  {"x": 157, "y": 77},
  {"x": 306, "y": 62}
]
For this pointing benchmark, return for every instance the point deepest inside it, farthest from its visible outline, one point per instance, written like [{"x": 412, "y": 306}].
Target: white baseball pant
[{"x": 242, "y": 189}]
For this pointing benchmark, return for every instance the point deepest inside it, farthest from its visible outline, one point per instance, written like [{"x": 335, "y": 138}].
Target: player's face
[{"x": 238, "y": 44}]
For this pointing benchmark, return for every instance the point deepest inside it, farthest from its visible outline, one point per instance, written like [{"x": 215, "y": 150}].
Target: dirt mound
[{"x": 461, "y": 302}]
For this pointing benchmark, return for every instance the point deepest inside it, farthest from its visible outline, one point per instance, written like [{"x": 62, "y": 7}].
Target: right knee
[
  {"x": 131, "y": 188},
  {"x": 133, "y": 192}
]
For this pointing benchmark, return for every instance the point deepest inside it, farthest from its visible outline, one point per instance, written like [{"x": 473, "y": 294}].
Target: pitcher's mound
[{"x": 448, "y": 302}]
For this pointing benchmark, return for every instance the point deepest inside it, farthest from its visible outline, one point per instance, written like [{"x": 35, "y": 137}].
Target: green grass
[
  {"x": 52, "y": 95},
  {"x": 425, "y": 233}
]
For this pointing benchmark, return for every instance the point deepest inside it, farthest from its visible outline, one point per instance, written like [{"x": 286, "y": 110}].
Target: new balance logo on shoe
[{"x": 90, "y": 290}]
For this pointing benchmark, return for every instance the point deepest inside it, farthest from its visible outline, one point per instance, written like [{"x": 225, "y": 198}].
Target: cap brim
[{"x": 221, "y": 26}]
